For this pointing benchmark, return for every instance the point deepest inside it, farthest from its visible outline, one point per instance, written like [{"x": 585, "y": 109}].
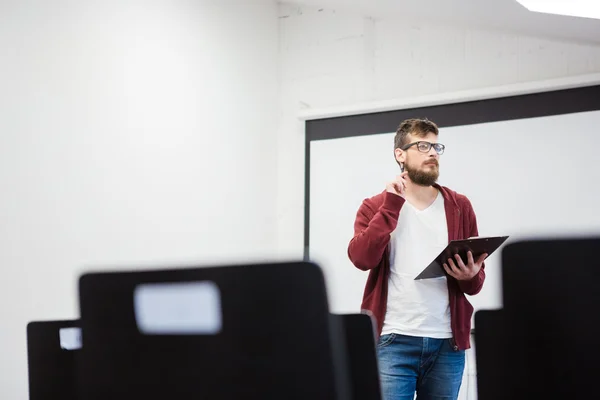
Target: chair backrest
[
  {"x": 492, "y": 355},
  {"x": 230, "y": 332},
  {"x": 551, "y": 291},
  {"x": 361, "y": 354},
  {"x": 52, "y": 349}
]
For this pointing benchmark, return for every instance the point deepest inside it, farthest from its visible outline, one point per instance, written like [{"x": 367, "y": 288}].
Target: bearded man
[{"x": 423, "y": 325}]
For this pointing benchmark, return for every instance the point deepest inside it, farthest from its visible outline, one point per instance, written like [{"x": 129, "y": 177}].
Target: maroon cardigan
[{"x": 369, "y": 250}]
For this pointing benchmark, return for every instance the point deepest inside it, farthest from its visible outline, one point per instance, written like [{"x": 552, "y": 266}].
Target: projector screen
[{"x": 526, "y": 177}]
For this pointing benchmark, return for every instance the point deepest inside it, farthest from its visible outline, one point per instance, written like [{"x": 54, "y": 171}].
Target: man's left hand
[{"x": 457, "y": 268}]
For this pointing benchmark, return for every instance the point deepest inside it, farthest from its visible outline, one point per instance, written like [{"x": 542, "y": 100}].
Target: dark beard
[{"x": 421, "y": 177}]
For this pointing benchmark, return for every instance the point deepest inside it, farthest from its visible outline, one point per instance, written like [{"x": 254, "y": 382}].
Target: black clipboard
[{"x": 477, "y": 245}]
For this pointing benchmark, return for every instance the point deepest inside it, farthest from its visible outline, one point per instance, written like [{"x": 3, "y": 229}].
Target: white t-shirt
[{"x": 418, "y": 308}]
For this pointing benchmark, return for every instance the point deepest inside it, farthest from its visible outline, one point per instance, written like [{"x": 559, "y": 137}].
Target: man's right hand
[{"x": 398, "y": 186}]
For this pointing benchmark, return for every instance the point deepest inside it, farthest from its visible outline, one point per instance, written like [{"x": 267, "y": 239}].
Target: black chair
[
  {"x": 52, "y": 349},
  {"x": 550, "y": 322},
  {"x": 360, "y": 348},
  {"x": 257, "y": 331},
  {"x": 492, "y": 355}
]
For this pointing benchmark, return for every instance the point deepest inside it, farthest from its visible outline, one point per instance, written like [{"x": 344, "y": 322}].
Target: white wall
[
  {"x": 131, "y": 134},
  {"x": 333, "y": 59}
]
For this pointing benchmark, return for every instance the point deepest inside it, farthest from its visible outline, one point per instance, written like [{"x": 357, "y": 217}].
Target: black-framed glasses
[{"x": 424, "y": 147}]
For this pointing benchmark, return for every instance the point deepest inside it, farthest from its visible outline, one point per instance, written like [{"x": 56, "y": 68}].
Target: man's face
[{"x": 423, "y": 168}]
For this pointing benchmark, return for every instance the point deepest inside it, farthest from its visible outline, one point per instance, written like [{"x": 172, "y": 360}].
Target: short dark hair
[{"x": 414, "y": 126}]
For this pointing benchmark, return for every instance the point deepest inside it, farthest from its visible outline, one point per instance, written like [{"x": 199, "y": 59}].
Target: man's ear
[{"x": 400, "y": 156}]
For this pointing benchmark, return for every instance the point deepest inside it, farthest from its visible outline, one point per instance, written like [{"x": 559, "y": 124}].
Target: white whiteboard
[{"x": 535, "y": 177}]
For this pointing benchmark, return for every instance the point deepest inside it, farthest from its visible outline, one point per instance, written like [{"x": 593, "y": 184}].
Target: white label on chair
[
  {"x": 70, "y": 338},
  {"x": 182, "y": 308}
]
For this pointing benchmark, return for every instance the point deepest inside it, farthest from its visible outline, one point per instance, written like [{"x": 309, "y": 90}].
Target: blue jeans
[{"x": 429, "y": 367}]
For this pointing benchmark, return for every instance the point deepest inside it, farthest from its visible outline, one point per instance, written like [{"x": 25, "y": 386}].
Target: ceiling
[{"x": 507, "y": 15}]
